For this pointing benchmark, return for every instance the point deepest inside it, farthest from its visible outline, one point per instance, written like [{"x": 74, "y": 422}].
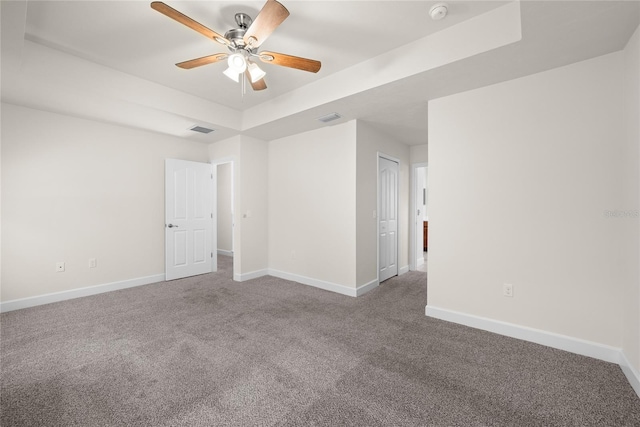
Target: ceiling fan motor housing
[{"x": 235, "y": 36}]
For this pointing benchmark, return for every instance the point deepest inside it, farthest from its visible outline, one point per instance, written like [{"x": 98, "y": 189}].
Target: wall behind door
[{"x": 75, "y": 189}]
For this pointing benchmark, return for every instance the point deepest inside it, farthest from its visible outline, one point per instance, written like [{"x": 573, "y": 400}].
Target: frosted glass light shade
[
  {"x": 232, "y": 74},
  {"x": 255, "y": 72},
  {"x": 237, "y": 63}
]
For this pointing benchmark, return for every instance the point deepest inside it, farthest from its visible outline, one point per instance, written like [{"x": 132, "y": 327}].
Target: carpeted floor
[{"x": 206, "y": 351}]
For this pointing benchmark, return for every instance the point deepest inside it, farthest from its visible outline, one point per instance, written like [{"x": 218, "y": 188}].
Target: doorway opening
[
  {"x": 224, "y": 221},
  {"x": 419, "y": 227}
]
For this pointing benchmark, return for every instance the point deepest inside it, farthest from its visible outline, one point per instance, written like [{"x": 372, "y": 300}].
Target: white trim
[
  {"x": 309, "y": 281},
  {"x": 403, "y": 270},
  {"x": 363, "y": 289},
  {"x": 550, "y": 339},
  {"x": 243, "y": 277},
  {"x": 18, "y": 304},
  {"x": 633, "y": 376},
  {"x": 225, "y": 252},
  {"x": 327, "y": 286}
]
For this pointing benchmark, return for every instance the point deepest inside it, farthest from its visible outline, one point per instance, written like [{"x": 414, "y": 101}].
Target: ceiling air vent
[
  {"x": 201, "y": 129},
  {"x": 329, "y": 117}
]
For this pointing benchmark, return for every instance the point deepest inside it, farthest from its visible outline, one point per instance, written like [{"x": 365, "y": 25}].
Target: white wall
[
  {"x": 312, "y": 204},
  {"x": 419, "y": 153},
  {"x": 254, "y": 190},
  {"x": 74, "y": 189},
  {"x": 224, "y": 208},
  {"x": 631, "y": 295},
  {"x": 518, "y": 194},
  {"x": 369, "y": 143}
]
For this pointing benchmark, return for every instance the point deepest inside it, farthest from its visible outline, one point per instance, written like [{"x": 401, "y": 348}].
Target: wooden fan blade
[
  {"x": 271, "y": 15},
  {"x": 297, "y": 62},
  {"x": 198, "y": 62},
  {"x": 259, "y": 85},
  {"x": 185, "y": 20}
]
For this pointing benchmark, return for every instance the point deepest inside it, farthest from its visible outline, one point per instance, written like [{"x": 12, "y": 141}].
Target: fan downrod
[{"x": 243, "y": 20}]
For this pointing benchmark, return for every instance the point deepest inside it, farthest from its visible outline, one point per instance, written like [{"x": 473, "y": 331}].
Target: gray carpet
[{"x": 206, "y": 351}]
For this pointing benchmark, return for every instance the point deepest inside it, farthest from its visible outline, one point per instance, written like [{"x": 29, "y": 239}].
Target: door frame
[
  {"x": 413, "y": 205},
  {"x": 235, "y": 243},
  {"x": 215, "y": 194},
  {"x": 380, "y": 155}
]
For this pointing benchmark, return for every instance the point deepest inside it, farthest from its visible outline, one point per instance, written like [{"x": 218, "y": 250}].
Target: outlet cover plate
[{"x": 507, "y": 290}]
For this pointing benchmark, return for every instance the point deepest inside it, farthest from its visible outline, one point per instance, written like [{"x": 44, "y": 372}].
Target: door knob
[{"x": 171, "y": 226}]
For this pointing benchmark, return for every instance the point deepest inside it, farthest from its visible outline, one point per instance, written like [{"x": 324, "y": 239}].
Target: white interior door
[
  {"x": 388, "y": 218},
  {"x": 188, "y": 218}
]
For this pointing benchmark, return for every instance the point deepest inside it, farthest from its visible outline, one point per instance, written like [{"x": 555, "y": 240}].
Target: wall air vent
[
  {"x": 329, "y": 117},
  {"x": 201, "y": 129}
]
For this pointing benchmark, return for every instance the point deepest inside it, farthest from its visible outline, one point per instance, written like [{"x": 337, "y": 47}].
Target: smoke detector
[{"x": 438, "y": 11}]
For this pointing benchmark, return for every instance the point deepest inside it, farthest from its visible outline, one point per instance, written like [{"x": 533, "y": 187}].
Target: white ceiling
[{"x": 130, "y": 38}]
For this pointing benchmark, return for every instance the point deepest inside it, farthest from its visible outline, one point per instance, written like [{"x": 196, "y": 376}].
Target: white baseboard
[
  {"x": 327, "y": 286},
  {"x": 403, "y": 270},
  {"x": 633, "y": 376},
  {"x": 363, "y": 289},
  {"x": 550, "y": 339},
  {"x": 18, "y": 304},
  {"x": 309, "y": 281},
  {"x": 224, "y": 252},
  {"x": 250, "y": 275}
]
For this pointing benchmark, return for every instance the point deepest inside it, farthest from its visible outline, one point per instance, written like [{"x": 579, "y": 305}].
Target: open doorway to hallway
[
  {"x": 420, "y": 223},
  {"x": 224, "y": 222}
]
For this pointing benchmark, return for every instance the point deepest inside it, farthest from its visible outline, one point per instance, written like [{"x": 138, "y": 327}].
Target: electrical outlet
[
  {"x": 59, "y": 267},
  {"x": 93, "y": 263},
  {"x": 507, "y": 290}
]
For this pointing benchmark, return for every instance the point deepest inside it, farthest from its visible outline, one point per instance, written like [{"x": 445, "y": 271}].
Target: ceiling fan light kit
[
  {"x": 243, "y": 43},
  {"x": 255, "y": 72},
  {"x": 232, "y": 74},
  {"x": 237, "y": 63}
]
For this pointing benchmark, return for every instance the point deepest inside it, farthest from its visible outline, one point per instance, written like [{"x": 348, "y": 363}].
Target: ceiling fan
[{"x": 243, "y": 43}]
